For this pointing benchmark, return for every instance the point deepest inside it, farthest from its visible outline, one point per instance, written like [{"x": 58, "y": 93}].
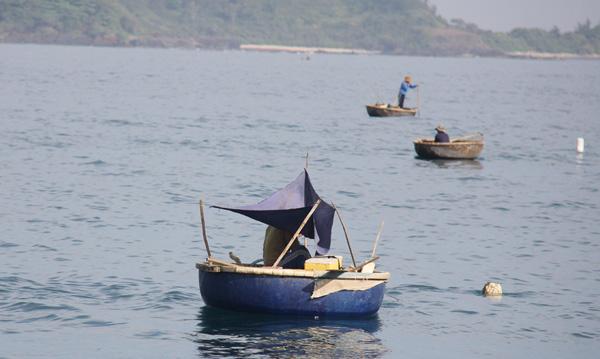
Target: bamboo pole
[
  {"x": 377, "y": 239},
  {"x": 204, "y": 228},
  {"x": 220, "y": 262},
  {"x": 360, "y": 266},
  {"x": 345, "y": 234},
  {"x": 287, "y": 247},
  {"x": 418, "y": 101}
]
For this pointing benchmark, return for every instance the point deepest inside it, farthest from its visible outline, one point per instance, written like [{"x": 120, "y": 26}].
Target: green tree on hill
[{"x": 390, "y": 26}]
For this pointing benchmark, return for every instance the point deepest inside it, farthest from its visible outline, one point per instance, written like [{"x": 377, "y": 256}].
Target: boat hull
[
  {"x": 452, "y": 150},
  {"x": 385, "y": 111},
  {"x": 284, "y": 295}
]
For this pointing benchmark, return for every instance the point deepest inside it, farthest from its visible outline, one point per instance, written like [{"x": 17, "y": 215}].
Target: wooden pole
[
  {"x": 287, "y": 247},
  {"x": 360, "y": 266},
  {"x": 377, "y": 239},
  {"x": 220, "y": 262},
  {"x": 345, "y": 234},
  {"x": 418, "y": 101},
  {"x": 204, "y": 228}
]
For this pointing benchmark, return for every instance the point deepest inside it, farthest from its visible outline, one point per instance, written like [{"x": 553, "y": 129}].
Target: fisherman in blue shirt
[
  {"x": 407, "y": 84},
  {"x": 441, "y": 135}
]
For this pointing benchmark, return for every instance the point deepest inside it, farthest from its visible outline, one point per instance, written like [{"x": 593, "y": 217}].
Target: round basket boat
[
  {"x": 291, "y": 291},
  {"x": 427, "y": 148}
]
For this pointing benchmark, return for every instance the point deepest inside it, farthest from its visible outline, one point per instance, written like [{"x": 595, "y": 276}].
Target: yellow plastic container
[{"x": 323, "y": 263}]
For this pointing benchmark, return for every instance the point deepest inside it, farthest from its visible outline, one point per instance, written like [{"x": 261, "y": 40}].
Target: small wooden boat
[
  {"x": 387, "y": 110},
  {"x": 331, "y": 291},
  {"x": 460, "y": 148}
]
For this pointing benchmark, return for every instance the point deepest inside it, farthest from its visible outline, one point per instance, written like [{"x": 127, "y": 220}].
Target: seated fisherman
[
  {"x": 441, "y": 135},
  {"x": 275, "y": 242}
]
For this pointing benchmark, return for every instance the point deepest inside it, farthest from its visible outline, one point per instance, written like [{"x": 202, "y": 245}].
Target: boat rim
[
  {"x": 394, "y": 108},
  {"x": 285, "y": 272},
  {"x": 427, "y": 141}
]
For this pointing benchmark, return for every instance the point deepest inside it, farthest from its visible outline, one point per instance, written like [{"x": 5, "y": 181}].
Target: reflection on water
[
  {"x": 222, "y": 333},
  {"x": 442, "y": 163}
]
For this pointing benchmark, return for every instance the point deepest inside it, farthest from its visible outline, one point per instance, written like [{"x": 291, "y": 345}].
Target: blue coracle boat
[{"x": 313, "y": 290}]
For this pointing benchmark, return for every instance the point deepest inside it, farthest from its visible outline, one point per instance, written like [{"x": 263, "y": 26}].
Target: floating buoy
[
  {"x": 580, "y": 144},
  {"x": 491, "y": 289}
]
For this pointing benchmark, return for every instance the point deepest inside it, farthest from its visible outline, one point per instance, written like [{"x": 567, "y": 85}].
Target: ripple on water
[
  {"x": 411, "y": 288},
  {"x": 100, "y": 323},
  {"x": 349, "y": 194},
  {"x": 34, "y": 306},
  {"x": 121, "y": 123},
  {"x": 4, "y": 244},
  {"x": 585, "y": 335},
  {"x": 97, "y": 163},
  {"x": 44, "y": 247},
  {"x": 176, "y": 296},
  {"x": 464, "y": 311},
  {"x": 152, "y": 334}
]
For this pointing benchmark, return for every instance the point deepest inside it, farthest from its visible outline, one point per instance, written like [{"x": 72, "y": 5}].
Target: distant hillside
[{"x": 390, "y": 26}]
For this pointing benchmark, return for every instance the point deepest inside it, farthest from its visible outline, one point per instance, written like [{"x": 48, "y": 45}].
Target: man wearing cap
[
  {"x": 441, "y": 135},
  {"x": 406, "y": 85}
]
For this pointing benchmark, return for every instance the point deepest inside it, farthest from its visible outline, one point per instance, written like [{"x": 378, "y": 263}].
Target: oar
[
  {"x": 476, "y": 136},
  {"x": 418, "y": 101}
]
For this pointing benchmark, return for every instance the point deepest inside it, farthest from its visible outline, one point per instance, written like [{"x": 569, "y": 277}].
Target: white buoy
[
  {"x": 580, "y": 144},
  {"x": 491, "y": 289}
]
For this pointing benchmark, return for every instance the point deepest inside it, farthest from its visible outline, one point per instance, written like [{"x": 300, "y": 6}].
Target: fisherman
[
  {"x": 406, "y": 85},
  {"x": 275, "y": 242},
  {"x": 441, "y": 135}
]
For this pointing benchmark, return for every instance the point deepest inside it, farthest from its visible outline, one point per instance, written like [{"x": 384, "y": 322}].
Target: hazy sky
[{"x": 504, "y": 15}]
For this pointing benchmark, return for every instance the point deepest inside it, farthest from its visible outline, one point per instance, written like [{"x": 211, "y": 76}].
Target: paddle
[
  {"x": 418, "y": 101},
  {"x": 471, "y": 137}
]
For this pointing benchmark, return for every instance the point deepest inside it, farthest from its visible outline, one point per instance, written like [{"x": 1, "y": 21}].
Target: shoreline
[
  {"x": 306, "y": 49},
  {"x": 534, "y": 55},
  {"x": 526, "y": 55}
]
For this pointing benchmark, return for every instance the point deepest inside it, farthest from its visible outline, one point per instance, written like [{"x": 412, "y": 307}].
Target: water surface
[{"x": 106, "y": 152}]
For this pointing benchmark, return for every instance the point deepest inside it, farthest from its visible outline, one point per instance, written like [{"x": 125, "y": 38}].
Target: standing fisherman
[{"x": 406, "y": 85}]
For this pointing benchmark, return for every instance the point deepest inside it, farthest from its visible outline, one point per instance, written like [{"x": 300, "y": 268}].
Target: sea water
[{"x": 105, "y": 153}]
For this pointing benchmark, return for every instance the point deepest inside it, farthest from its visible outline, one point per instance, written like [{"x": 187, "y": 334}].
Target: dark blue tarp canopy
[{"x": 287, "y": 208}]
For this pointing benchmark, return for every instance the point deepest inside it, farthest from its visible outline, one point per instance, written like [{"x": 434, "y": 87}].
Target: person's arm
[{"x": 412, "y": 86}]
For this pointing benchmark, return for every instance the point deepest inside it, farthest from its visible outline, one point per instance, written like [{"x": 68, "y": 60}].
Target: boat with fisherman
[
  {"x": 320, "y": 286},
  {"x": 388, "y": 110},
  {"x": 466, "y": 147}
]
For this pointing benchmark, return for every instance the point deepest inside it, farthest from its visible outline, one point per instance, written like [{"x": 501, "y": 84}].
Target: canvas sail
[{"x": 287, "y": 208}]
